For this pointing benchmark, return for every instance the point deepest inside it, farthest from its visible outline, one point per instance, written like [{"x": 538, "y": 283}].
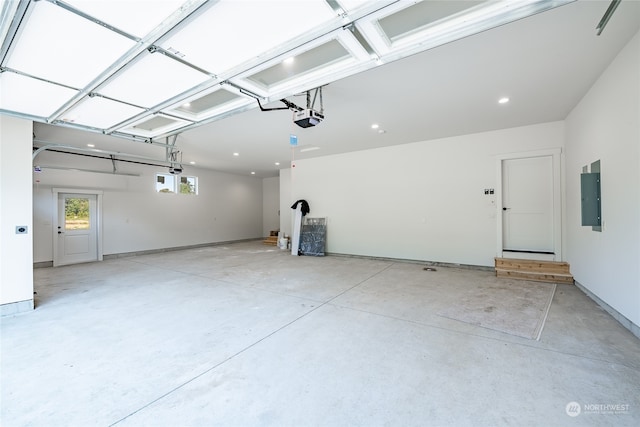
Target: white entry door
[
  {"x": 528, "y": 207},
  {"x": 77, "y": 230}
]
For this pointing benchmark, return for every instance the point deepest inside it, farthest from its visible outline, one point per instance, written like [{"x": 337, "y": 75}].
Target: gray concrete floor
[{"x": 246, "y": 334}]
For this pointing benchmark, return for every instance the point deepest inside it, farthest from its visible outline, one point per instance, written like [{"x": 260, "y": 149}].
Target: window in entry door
[{"x": 76, "y": 214}]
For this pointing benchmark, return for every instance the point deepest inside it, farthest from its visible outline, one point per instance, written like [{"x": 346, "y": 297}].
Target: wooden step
[
  {"x": 271, "y": 240},
  {"x": 540, "y": 271},
  {"x": 532, "y": 265}
]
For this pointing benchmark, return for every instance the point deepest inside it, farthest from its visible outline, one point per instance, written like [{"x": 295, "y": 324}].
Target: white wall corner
[{"x": 16, "y": 201}]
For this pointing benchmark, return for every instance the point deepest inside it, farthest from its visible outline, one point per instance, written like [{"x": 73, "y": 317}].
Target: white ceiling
[
  {"x": 544, "y": 63},
  {"x": 150, "y": 69}
]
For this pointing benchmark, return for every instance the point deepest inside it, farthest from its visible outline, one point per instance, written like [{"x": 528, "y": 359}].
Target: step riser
[
  {"x": 535, "y": 277},
  {"x": 526, "y": 265},
  {"x": 534, "y": 267}
]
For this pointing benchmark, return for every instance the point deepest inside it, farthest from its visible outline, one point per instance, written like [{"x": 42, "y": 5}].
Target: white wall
[
  {"x": 286, "y": 200},
  {"x": 605, "y": 126},
  {"x": 16, "y": 253},
  {"x": 271, "y": 205},
  {"x": 420, "y": 201},
  {"x": 137, "y": 218}
]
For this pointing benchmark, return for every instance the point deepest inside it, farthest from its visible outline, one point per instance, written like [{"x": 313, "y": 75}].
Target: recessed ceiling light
[
  {"x": 192, "y": 163},
  {"x": 503, "y": 100},
  {"x": 91, "y": 145},
  {"x": 289, "y": 60},
  {"x": 277, "y": 163},
  {"x": 236, "y": 154},
  {"x": 375, "y": 126},
  {"x": 253, "y": 173}
]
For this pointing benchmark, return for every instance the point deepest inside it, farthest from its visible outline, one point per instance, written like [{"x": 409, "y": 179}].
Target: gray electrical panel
[{"x": 590, "y": 197}]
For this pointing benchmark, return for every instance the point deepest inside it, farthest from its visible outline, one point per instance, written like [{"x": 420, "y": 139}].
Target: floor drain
[{"x": 429, "y": 269}]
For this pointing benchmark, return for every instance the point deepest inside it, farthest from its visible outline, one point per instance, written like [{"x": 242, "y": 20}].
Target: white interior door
[
  {"x": 77, "y": 231},
  {"x": 528, "y": 207}
]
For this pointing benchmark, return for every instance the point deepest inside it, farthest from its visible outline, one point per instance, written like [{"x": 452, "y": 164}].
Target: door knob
[
  {"x": 59, "y": 232},
  {"x": 504, "y": 209}
]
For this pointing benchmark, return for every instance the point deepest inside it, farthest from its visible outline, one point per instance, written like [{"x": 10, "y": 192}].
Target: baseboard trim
[
  {"x": 45, "y": 264},
  {"x": 18, "y": 307},
  {"x": 414, "y": 261},
  {"x": 632, "y": 327},
  {"x": 176, "y": 248}
]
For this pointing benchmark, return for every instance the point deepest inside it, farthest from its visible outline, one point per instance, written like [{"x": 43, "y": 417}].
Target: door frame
[
  {"x": 556, "y": 155},
  {"x": 56, "y": 193}
]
